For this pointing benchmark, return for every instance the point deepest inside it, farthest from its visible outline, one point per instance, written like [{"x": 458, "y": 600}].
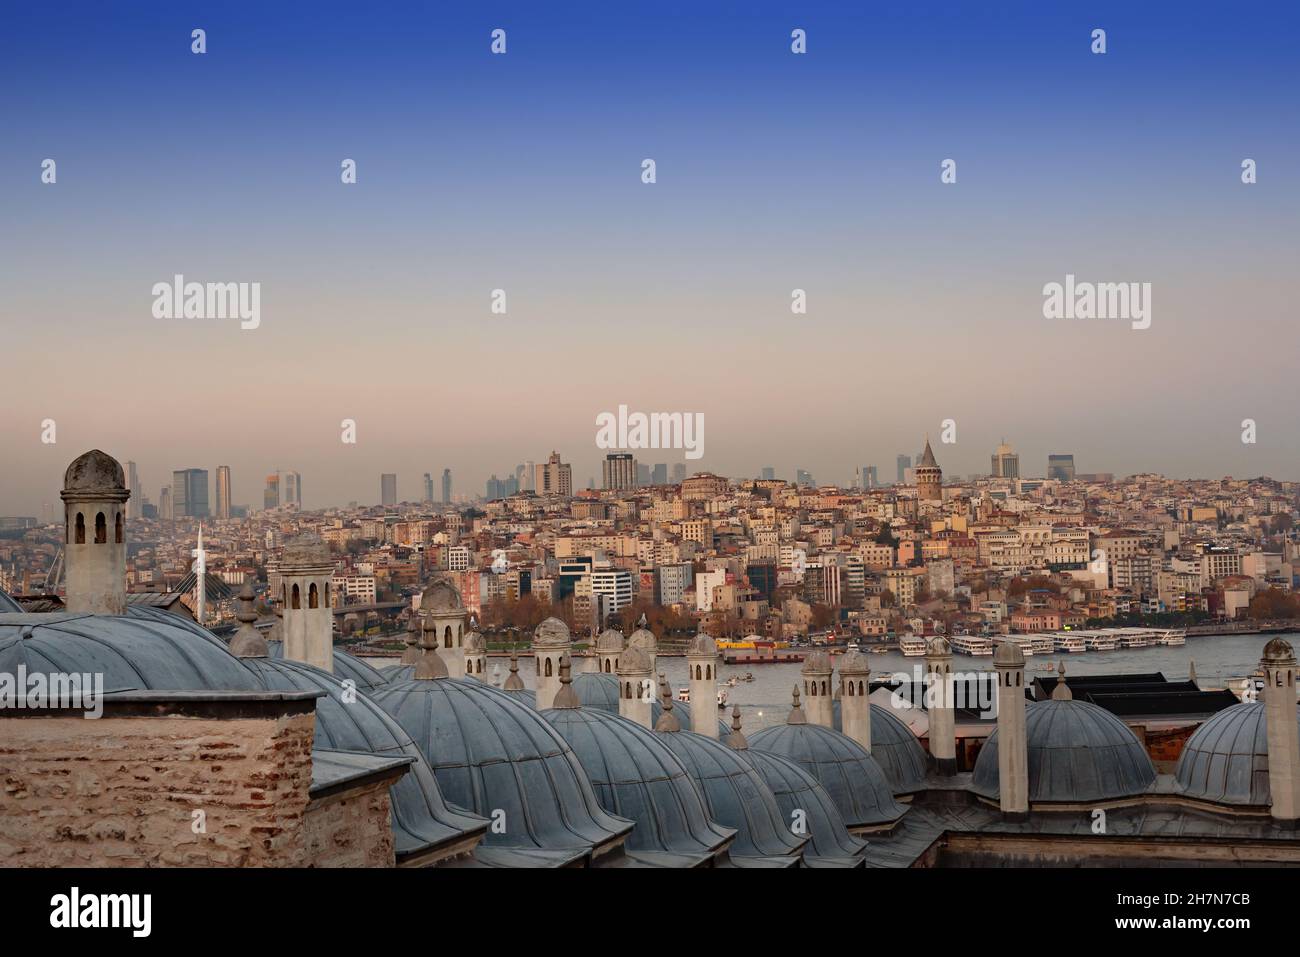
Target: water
[{"x": 766, "y": 700}]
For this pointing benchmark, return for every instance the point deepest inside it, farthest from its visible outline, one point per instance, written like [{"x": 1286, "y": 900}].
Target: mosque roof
[
  {"x": 552, "y": 633},
  {"x": 440, "y": 595},
  {"x": 1226, "y": 758},
  {"x": 830, "y": 844},
  {"x": 895, "y": 748},
  {"x": 8, "y": 605},
  {"x": 366, "y": 676}
]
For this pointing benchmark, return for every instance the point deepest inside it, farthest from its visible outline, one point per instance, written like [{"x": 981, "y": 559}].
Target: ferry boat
[
  {"x": 1173, "y": 637},
  {"x": 1134, "y": 638},
  {"x": 972, "y": 645},
  {"x": 912, "y": 647},
  {"x": 1043, "y": 644},
  {"x": 1026, "y": 643},
  {"x": 1071, "y": 644},
  {"x": 1098, "y": 641}
]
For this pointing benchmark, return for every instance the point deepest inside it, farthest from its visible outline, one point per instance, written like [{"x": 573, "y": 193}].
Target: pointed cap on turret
[
  {"x": 247, "y": 642},
  {"x": 566, "y": 697},
  {"x": 514, "y": 682},
  {"x": 796, "y": 715},
  {"x": 736, "y": 740},
  {"x": 927, "y": 457},
  {"x": 430, "y": 666},
  {"x": 1062, "y": 691},
  {"x": 667, "y": 720}
]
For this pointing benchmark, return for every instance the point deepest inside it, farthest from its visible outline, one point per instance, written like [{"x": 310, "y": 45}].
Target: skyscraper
[
  {"x": 554, "y": 477},
  {"x": 388, "y": 488},
  {"x": 803, "y": 478},
  {"x": 293, "y": 489},
  {"x": 904, "y": 463},
  {"x": 1006, "y": 463},
  {"x": 136, "y": 501},
  {"x": 869, "y": 478},
  {"x": 769, "y": 473},
  {"x": 679, "y": 473},
  {"x": 618, "y": 471},
  {"x": 446, "y": 486},
  {"x": 271, "y": 496},
  {"x": 165, "y": 504},
  {"x": 190, "y": 493},
  {"x": 659, "y": 476},
  {"x": 428, "y": 487},
  {"x": 1060, "y": 467},
  {"x": 223, "y": 491}
]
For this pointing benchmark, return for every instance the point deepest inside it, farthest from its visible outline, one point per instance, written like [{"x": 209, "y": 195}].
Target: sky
[{"x": 775, "y": 171}]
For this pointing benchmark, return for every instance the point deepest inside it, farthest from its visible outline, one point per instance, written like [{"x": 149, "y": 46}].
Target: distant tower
[
  {"x": 1279, "y": 666},
  {"x": 305, "y": 572},
  {"x": 1013, "y": 746},
  {"x": 223, "y": 491},
  {"x": 446, "y": 486},
  {"x": 551, "y": 643},
  {"x": 929, "y": 477},
  {"x": 428, "y": 487},
  {"x": 855, "y": 705},
  {"x": 388, "y": 488},
  {"x": 443, "y": 611},
  {"x": 943, "y": 730},
  {"x": 608, "y": 648},
  {"x": 475, "y": 652},
  {"x": 817, "y": 692},
  {"x": 136, "y": 502},
  {"x": 702, "y": 662},
  {"x": 644, "y": 639},
  {"x": 200, "y": 577},
  {"x": 635, "y": 689},
  {"x": 94, "y": 507}
]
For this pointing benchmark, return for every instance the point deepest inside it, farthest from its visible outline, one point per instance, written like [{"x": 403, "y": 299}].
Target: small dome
[
  {"x": 475, "y": 644},
  {"x": 492, "y": 754},
  {"x": 851, "y": 776},
  {"x": 796, "y": 790},
  {"x": 94, "y": 471},
  {"x": 817, "y": 663},
  {"x": 736, "y": 796},
  {"x": 1078, "y": 752},
  {"x": 1279, "y": 649},
  {"x": 937, "y": 646},
  {"x": 305, "y": 550},
  {"x": 854, "y": 663},
  {"x": 643, "y": 639},
  {"x": 440, "y": 595},
  {"x": 597, "y": 690},
  {"x": 895, "y": 748},
  {"x": 637, "y": 777},
  {"x": 1009, "y": 653},
  {"x": 552, "y": 633},
  {"x": 633, "y": 661},
  {"x": 1226, "y": 758},
  {"x": 702, "y": 645},
  {"x": 346, "y": 666},
  {"x": 610, "y": 641}
]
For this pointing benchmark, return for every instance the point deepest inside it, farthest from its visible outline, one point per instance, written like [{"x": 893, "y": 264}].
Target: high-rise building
[
  {"x": 1060, "y": 467},
  {"x": 388, "y": 488},
  {"x": 293, "y": 489},
  {"x": 929, "y": 477},
  {"x": 165, "y": 504},
  {"x": 660, "y": 474},
  {"x": 446, "y": 486},
  {"x": 642, "y": 474},
  {"x": 428, "y": 487},
  {"x": 803, "y": 478},
  {"x": 904, "y": 463},
  {"x": 554, "y": 477},
  {"x": 135, "y": 503},
  {"x": 530, "y": 477},
  {"x": 271, "y": 495},
  {"x": 618, "y": 471},
  {"x": 1006, "y": 463},
  {"x": 869, "y": 477},
  {"x": 190, "y": 493},
  {"x": 769, "y": 473},
  {"x": 223, "y": 491},
  {"x": 679, "y": 473}
]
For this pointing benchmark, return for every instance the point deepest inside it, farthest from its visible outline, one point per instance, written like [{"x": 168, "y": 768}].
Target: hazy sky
[{"x": 523, "y": 172}]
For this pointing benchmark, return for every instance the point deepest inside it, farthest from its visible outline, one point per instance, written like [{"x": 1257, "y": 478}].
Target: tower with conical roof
[
  {"x": 94, "y": 507},
  {"x": 1279, "y": 666},
  {"x": 940, "y": 705},
  {"x": 247, "y": 642},
  {"x": 305, "y": 572},
  {"x": 929, "y": 477},
  {"x": 702, "y": 662},
  {"x": 855, "y": 705},
  {"x": 1013, "y": 745}
]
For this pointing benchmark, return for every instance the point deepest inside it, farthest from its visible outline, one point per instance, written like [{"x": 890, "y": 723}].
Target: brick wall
[{"x": 352, "y": 829}]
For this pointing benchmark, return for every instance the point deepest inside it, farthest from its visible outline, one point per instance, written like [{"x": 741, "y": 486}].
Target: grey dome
[
  {"x": 8, "y": 605},
  {"x": 736, "y": 796},
  {"x": 94, "y": 471},
  {"x": 894, "y": 746},
  {"x": 830, "y": 844},
  {"x": 643, "y": 639},
  {"x": 421, "y": 818},
  {"x": 143, "y": 650},
  {"x": 635, "y": 776},
  {"x": 552, "y": 633},
  {"x": 596, "y": 689},
  {"x": 366, "y": 677},
  {"x": 492, "y": 754},
  {"x": 1226, "y": 759},
  {"x": 441, "y": 596},
  {"x": 610, "y": 641},
  {"x": 1077, "y": 752},
  {"x": 843, "y": 767}
]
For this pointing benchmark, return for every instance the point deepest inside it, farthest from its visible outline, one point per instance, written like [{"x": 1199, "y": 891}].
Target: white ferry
[
  {"x": 1043, "y": 644},
  {"x": 1098, "y": 641},
  {"x": 1172, "y": 637},
  {"x": 1070, "y": 643},
  {"x": 1134, "y": 638},
  {"x": 912, "y": 647},
  {"x": 972, "y": 645}
]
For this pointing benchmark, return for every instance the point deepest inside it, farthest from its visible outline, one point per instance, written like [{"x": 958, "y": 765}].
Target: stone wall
[
  {"x": 123, "y": 790},
  {"x": 352, "y": 829}
]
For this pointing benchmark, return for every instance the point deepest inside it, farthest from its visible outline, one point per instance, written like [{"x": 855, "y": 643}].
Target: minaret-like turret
[
  {"x": 305, "y": 572},
  {"x": 608, "y": 647},
  {"x": 551, "y": 644},
  {"x": 855, "y": 705},
  {"x": 566, "y": 697},
  {"x": 411, "y": 654},
  {"x": 817, "y": 691},
  {"x": 667, "y": 720},
  {"x": 635, "y": 689},
  {"x": 94, "y": 508},
  {"x": 514, "y": 682},
  {"x": 702, "y": 663},
  {"x": 1013, "y": 745},
  {"x": 1279, "y": 666},
  {"x": 247, "y": 642},
  {"x": 940, "y": 705},
  {"x": 644, "y": 639},
  {"x": 736, "y": 740},
  {"x": 443, "y": 611},
  {"x": 475, "y": 657}
]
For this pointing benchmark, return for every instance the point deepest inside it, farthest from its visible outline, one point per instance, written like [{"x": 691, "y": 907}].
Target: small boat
[
  {"x": 749, "y": 676},
  {"x": 722, "y": 698},
  {"x": 732, "y": 682},
  {"x": 1173, "y": 637}
]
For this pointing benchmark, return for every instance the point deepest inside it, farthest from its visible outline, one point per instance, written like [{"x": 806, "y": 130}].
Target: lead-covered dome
[
  {"x": 306, "y": 550},
  {"x": 499, "y": 758},
  {"x": 894, "y": 746},
  {"x": 1078, "y": 752},
  {"x": 1226, "y": 758},
  {"x": 798, "y": 792},
  {"x": 552, "y": 633},
  {"x": 94, "y": 471},
  {"x": 346, "y": 666},
  {"x": 8, "y": 606},
  {"x": 637, "y": 777},
  {"x": 440, "y": 596}
]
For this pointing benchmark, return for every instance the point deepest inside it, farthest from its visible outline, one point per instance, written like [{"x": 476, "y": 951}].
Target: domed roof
[
  {"x": 644, "y": 639},
  {"x": 633, "y": 661},
  {"x": 854, "y": 663},
  {"x": 1279, "y": 649},
  {"x": 894, "y": 746},
  {"x": 637, "y": 777},
  {"x": 475, "y": 644},
  {"x": 440, "y": 595},
  {"x": 8, "y": 605},
  {"x": 1226, "y": 759},
  {"x": 817, "y": 663},
  {"x": 701, "y": 645},
  {"x": 421, "y": 817},
  {"x": 610, "y": 641},
  {"x": 345, "y": 666},
  {"x": 94, "y": 471},
  {"x": 493, "y": 755},
  {"x": 600, "y": 691},
  {"x": 143, "y": 650},
  {"x": 1077, "y": 752},
  {"x": 843, "y": 767},
  {"x": 1009, "y": 653},
  {"x": 938, "y": 645},
  {"x": 796, "y": 790},
  {"x": 552, "y": 633},
  {"x": 736, "y": 796},
  {"x": 307, "y": 549}
]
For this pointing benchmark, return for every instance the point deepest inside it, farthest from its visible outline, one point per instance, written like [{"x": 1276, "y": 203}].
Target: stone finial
[
  {"x": 1191, "y": 671},
  {"x": 1062, "y": 691},
  {"x": 642, "y": 622},
  {"x": 514, "y": 682},
  {"x": 736, "y": 740},
  {"x": 496, "y": 676},
  {"x": 566, "y": 697},
  {"x": 796, "y": 713},
  {"x": 411, "y": 654},
  {"x": 430, "y": 666},
  {"x": 247, "y": 642},
  {"x": 667, "y": 721}
]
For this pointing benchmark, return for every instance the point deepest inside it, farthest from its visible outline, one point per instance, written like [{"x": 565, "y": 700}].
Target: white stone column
[
  {"x": 702, "y": 663},
  {"x": 1013, "y": 745},
  {"x": 1279, "y": 666},
  {"x": 943, "y": 726},
  {"x": 855, "y": 705}
]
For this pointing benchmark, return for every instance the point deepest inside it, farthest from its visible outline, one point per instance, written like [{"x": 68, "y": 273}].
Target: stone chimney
[
  {"x": 817, "y": 691},
  {"x": 855, "y": 705},
  {"x": 1013, "y": 745},
  {"x": 940, "y": 710}
]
